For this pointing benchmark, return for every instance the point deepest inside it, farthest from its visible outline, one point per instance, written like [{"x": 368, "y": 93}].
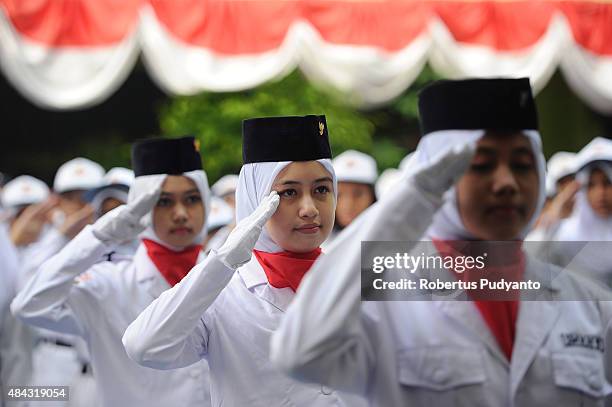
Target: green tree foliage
[
  {"x": 216, "y": 119},
  {"x": 387, "y": 133}
]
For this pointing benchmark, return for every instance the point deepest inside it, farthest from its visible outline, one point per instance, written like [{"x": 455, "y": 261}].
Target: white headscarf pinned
[
  {"x": 447, "y": 222},
  {"x": 255, "y": 183},
  {"x": 145, "y": 183}
]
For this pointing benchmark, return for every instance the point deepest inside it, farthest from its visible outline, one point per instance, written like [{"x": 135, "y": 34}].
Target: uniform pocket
[
  {"x": 579, "y": 372},
  {"x": 441, "y": 367}
]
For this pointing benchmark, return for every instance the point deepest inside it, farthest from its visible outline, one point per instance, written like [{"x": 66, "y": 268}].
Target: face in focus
[
  {"x": 179, "y": 214},
  {"x": 353, "y": 198},
  {"x": 71, "y": 201},
  {"x": 498, "y": 194},
  {"x": 599, "y": 193},
  {"x": 305, "y": 214}
]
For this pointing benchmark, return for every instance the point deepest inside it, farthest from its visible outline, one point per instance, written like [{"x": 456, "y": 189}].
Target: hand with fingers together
[
  {"x": 76, "y": 221},
  {"x": 126, "y": 222},
  {"x": 27, "y": 227},
  {"x": 239, "y": 245}
]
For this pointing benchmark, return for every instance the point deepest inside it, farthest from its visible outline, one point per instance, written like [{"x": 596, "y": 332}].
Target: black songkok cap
[
  {"x": 166, "y": 156},
  {"x": 289, "y": 138},
  {"x": 475, "y": 104}
]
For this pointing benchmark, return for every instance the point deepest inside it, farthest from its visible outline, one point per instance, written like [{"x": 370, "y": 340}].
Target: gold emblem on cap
[
  {"x": 79, "y": 170},
  {"x": 196, "y": 145},
  {"x": 321, "y": 128}
]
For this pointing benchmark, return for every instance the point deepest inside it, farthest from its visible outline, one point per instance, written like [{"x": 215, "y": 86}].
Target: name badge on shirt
[{"x": 593, "y": 342}]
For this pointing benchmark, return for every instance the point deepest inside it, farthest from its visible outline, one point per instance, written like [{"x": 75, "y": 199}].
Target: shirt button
[
  {"x": 326, "y": 390},
  {"x": 194, "y": 373}
]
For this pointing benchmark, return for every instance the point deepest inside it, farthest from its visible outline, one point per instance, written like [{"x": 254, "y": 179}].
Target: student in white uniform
[
  {"x": 591, "y": 219},
  {"x": 168, "y": 205},
  {"x": 27, "y": 204},
  {"x": 56, "y": 361},
  {"x": 228, "y": 306},
  {"x": 454, "y": 353},
  {"x": 72, "y": 212},
  {"x": 357, "y": 173},
  {"x": 15, "y": 346},
  {"x": 561, "y": 189}
]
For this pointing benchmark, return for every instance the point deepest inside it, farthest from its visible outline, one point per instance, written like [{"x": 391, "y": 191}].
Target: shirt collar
[{"x": 252, "y": 274}]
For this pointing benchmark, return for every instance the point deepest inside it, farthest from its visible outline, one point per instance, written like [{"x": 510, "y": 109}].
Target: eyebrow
[
  {"x": 492, "y": 151},
  {"x": 291, "y": 182},
  {"x": 191, "y": 191},
  {"x": 522, "y": 150}
]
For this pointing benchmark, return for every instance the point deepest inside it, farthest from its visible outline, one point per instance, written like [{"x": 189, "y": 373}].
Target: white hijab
[
  {"x": 447, "y": 223},
  {"x": 255, "y": 183},
  {"x": 145, "y": 183},
  {"x": 584, "y": 224}
]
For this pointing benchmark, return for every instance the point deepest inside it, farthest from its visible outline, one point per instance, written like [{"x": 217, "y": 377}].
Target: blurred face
[
  {"x": 305, "y": 215},
  {"x": 353, "y": 198},
  {"x": 179, "y": 214},
  {"x": 71, "y": 201},
  {"x": 109, "y": 204},
  {"x": 230, "y": 199},
  {"x": 497, "y": 196},
  {"x": 599, "y": 193},
  {"x": 564, "y": 182}
]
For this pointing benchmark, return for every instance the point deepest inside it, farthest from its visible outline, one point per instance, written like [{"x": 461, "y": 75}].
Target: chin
[
  {"x": 304, "y": 247},
  {"x": 183, "y": 242}
]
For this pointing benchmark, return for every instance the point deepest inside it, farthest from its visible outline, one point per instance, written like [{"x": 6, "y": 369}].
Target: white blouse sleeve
[{"x": 171, "y": 332}]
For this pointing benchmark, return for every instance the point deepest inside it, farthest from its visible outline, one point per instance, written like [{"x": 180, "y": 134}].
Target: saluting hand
[
  {"x": 442, "y": 174},
  {"x": 237, "y": 249},
  {"x": 126, "y": 222},
  {"x": 27, "y": 227},
  {"x": 75, "y": 222}
]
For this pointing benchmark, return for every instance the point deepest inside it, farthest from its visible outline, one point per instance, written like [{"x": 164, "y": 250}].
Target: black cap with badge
[
  {"x": 474, "y": 104},
  {"x": 166, "y": 156},
  {"x": 287, "y": 138}
]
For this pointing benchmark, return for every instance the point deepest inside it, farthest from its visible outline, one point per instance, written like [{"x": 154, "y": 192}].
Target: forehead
[
  {"x": 504, "y": 141},
  {"x": 177, "y": 184},
  {"x": 597, "y": 174},
  {"x": 302, "y": 171}
]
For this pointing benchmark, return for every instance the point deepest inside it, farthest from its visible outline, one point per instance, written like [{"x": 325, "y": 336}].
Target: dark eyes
[
  {"x": 489, "y": 166},
  {"x": 193, "y": 199},
  {"x": 189, "y": 200},
  {"x": 322, "y": 189},
  {"x": 164, "y": 202},
  {"x": 288, "y": 193}
]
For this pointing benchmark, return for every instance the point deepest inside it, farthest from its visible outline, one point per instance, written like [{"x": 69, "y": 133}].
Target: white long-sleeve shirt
[
  {"x": 227, "y": 318},
  {"x": 99, "y": 306},
  {"x": 438, "y": 353}
]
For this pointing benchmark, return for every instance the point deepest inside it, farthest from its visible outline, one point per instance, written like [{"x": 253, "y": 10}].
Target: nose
[
  {"x": 308, "y": 209},
  {"x": 180, "y": 214},
  {"x": 504, "y": 181}
]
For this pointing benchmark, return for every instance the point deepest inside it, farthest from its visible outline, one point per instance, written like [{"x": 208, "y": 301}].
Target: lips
[
  {"x": 506, "y": 210},
  {"x": 309, "y": 228},
  {"x": 181, "y": 231}
]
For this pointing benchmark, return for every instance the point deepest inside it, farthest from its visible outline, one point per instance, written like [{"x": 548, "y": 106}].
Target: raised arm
[
  {"x": 322, "y": 337},
  {"x": 45, "y": 299},
  {"x": 172, "y": 331}
]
